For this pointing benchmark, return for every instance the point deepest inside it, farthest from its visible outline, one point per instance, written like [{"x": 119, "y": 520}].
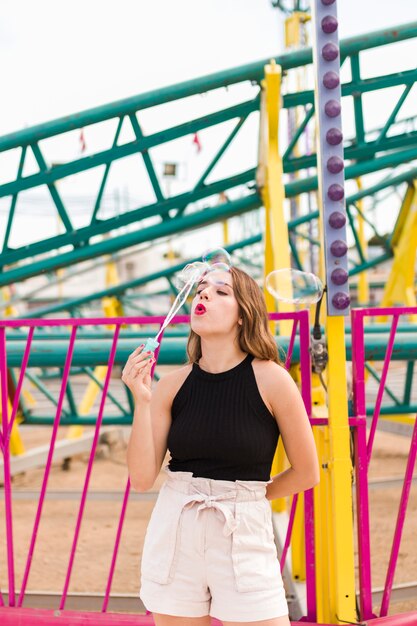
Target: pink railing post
[
  {"x": 122, "y": 515},
  {"x": 289, "y": 531},
  {"x": 381, "y": 387},
  {"x": 361, "y": 464},
  {"x": 90, "y": 466},
  {"x": 48, "y": 464},
  {"x": 400, "y": 522},
  {"x": 6, "y": 466}
]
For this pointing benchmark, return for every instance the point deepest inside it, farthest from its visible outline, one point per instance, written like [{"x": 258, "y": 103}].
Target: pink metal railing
[
  {"x": 363, "y": 451},
  {"x": 300, "y": 325}
]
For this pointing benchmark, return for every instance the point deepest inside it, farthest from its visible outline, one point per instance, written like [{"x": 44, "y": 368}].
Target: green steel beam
[
  {"x": 174, "y": 226},
  {"x": 354, "y": 88},
  {"x": 14, "y": 201},
  {"x": 83, "y": 235},
  {"x": 353, "y": 171},
  {"x": 251, "y": 72},
  {"x": 357, "y": 99},
  {"x": 146, "y": 158},
  {"x": 354, "y": 152},
  {"x": 52, "y": 189},
  {"x": 118, "y": 290},
  {"x": 394, "y": 113},
  {"x": 108, "y": 246},
  {"x": 47, "y": 176},
  {"x": 106, "y": 173}
]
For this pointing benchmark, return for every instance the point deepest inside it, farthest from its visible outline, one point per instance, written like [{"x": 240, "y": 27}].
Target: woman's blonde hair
[{"x": 254, "y": 336}]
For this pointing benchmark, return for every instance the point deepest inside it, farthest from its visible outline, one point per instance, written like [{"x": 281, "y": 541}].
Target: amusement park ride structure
[{"x": 333, "y": 223}]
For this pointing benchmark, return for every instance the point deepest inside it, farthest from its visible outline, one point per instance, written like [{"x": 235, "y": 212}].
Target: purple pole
[
  {"x": 6, "y": 465},
  {"x": 48, "y": 463},
  {"x": 90, "y": 466},
  {"x": 400, "y": 522},
  {"x": 381, "y": 388}
]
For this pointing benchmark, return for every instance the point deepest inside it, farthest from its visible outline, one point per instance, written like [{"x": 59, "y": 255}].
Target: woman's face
[{"x": 215, "y": 309}]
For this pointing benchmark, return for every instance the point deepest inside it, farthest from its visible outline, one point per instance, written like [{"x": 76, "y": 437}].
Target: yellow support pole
[
  {"x": 363, "y": 284},
  {"x": 322, "y": 526},
  {"x": 400, "y": 287},
  {"x": 16, "y": 443},
  {"x": 277, "y": 250},
  {"x": 341, "y": 593}
]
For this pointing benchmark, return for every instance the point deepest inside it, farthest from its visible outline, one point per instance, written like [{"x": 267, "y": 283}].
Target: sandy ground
[{"x": 100, "y": 521}]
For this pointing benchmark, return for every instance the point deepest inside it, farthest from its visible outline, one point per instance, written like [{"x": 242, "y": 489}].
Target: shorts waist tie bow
[{"x": 213, "y": 502}]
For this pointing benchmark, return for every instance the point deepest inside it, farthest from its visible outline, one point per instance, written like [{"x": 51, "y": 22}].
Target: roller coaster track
[{"x": 365, "y": 153}]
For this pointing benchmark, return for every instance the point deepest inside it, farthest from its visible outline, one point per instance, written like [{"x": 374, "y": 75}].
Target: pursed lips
[{"x": 200, "y": 309}]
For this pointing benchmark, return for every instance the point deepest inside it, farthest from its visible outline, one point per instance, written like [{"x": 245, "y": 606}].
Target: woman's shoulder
[{"x": 271, "y": 373}]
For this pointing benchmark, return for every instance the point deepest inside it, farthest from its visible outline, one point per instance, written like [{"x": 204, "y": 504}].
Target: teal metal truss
[{"x": 364, "y": 153}]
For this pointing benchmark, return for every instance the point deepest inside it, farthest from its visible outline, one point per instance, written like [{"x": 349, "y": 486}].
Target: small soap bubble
[
  {"x": 190, "y": 273},
  {"x": 216, "y": 256},
  {"x": 294, "y": 286}
]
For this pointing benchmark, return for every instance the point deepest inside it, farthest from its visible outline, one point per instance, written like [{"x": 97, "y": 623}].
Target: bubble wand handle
[{"x": 152, "y": 343}]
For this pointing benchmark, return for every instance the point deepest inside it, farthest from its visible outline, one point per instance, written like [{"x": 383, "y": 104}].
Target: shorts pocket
[
  {"x": 254, "y": 554},
  {"x": 160, "y": 547}
]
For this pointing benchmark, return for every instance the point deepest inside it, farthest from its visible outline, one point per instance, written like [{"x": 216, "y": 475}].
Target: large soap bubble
[{"x": 294, "y": 286}]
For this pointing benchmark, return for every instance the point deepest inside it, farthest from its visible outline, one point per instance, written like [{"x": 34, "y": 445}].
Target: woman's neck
[{"x": 218, "y": 357}]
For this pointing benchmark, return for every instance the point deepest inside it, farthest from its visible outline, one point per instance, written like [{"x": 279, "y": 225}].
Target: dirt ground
[{"x": 99, "y": 525}]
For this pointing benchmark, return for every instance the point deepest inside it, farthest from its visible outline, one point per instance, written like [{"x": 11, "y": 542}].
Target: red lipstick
[{"x": 200, "y": 309}]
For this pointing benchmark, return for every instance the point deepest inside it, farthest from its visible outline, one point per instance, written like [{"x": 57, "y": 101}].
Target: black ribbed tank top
[{"x": 221, "y": 427}]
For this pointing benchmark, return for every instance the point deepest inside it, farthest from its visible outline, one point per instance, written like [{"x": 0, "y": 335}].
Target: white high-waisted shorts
[{"x": 209, "y": 550}]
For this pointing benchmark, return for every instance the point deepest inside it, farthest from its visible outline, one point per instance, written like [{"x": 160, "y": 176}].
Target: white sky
[{"x": 60, "y": 57}]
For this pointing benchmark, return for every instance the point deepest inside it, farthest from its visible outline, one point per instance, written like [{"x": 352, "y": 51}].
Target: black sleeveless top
[{"x": 221, "y": 427}]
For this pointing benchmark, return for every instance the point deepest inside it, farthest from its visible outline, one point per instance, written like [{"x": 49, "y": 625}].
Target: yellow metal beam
[
  {"x": 341, "y": 597},
  {"x": 400, "y": 289},
  {"x": 363, "y": 283},
  {"x": 277, "y": 250}
]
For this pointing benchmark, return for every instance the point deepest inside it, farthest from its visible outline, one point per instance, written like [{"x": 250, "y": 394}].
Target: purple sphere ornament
[
  {"x": 338, "y": 248},
  {"x": 335, "y": 165},
  {"x": 331, "y": 80},
  {"x": 337, "y": 219},
  {"x": 327, "y": 3},
  {"x": 330, "y": 52},
  {"x": 334, "y": 136},
  {"x": 332, "y": 108},
  {"x": 340, "y": 300},
  {"x": 336, "y": 192},
  {"x": 329, "y": 24},
  {"x": 339, "y": 276}
]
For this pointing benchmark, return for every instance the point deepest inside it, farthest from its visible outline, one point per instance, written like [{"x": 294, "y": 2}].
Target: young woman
[{"x": 209, "y": 548}]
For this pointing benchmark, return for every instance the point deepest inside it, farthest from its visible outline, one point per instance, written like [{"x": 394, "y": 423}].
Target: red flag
[
  {"x": 197, "y": 143},
  {"x": 83, "y": 145}
]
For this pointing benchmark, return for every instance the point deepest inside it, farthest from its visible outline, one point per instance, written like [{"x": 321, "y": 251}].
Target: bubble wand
[{"x": 217, "y": 259}]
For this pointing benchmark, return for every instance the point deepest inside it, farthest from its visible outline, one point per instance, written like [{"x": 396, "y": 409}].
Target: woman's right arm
[{"x": 147, "y": 444}]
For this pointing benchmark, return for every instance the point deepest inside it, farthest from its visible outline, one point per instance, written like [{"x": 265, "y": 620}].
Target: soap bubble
[
  {"x": 192, "y": 272},
  {"x": 217, "y": 256},
  {"x": 294, "y": 286}
]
